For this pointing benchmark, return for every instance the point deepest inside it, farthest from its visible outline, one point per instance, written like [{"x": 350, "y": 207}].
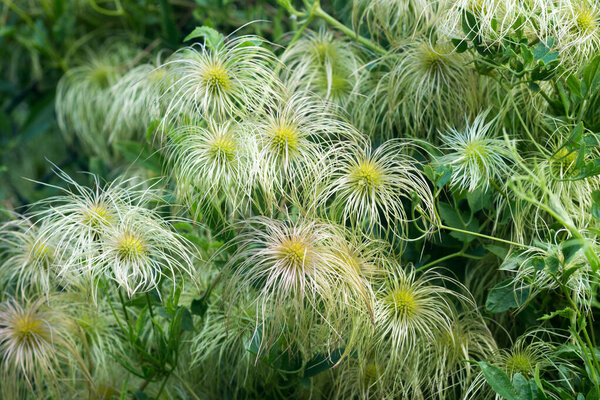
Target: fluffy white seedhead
[
  {"x": 395, "y": 20},
  {"x": 575, "y": 267},
  {"x": 469, "y": 339},
  {"x": 138, "y": 99},
  {"x": 213, "y": 163},
  {"x": 84, "y": 96},
  {"x": 34, "y": 341},
  {"x": 427, "y": 84},
  {"x": 413, "y": 311},
  {"x": 412, "y": 315},
  {"x": 551, "y": 175},
  {"x": 300, "y": 275},
  {"x": 368, "y": 187},
  {"x": 110, "y": 233},
  {"x": 575, "y": 26},
  {"x": 532, "y": 353},
  {"x": 493, "y": 20},
  {"x": 475, "y": 155},
  {"x": 29, "y": 257},
  {"x": 138, "y": 250},
  {"x": 293, "y": 140},
  {"x": 76, "y": 218},
  {"x": 325, "y": 65},
  {"x": 234, "y": 78}
]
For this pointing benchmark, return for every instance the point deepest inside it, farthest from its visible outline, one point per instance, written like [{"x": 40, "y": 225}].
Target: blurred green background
[{"x": 42, "y": 39}]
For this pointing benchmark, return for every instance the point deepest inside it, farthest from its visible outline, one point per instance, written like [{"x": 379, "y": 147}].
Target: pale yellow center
[
  {"x": 284, "y": 139},
  {"x": 295, "y": 252},
  {"x": 27, "y": 328},
  {"x": 366, "y": 176},
  {"x": 97, "y": 215},
  {"x": 403, "y": 301},
  {"x": 131, "y": 246},
  {"x": 223, "y": 148},
  {"x": 217, "y": 79}
]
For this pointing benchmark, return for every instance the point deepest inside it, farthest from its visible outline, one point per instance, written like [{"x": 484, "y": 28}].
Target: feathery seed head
[
  {"x": 425, "y": 84},
  {"x": 328, "y": 66},
  {"x": 84, "y": 96},
  {"x": 476, "y": 157},
  {"x": 30, "y": 256},
  {"x": 396, "y": 20},
  {"x": 231, "y": 79},
  {"x": 34, "y": 340},
  {"x": 213, "y": 163},
  {"x": 138, "y": 250},
  {"x": 368, "y": 186},
  {"x": 574, "y": 25},
  {"x": 294, "y": 141},
  {"x": 300, "y": 276}
]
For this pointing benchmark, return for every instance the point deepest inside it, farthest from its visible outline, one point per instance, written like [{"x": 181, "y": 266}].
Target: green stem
[
  {"x": 349, "y": 32},
  {"x": 162, "y": 385},
  {"x": 460, "y": 253},
  {"x": 187, "y": 386},
  {"x": 481, "y": 235},
  {"x": 118, "y": 11},
  {"x": 301, "y": 29},
  {"x": 499, "y": 189},
  {"x": 594, "y": 361}
]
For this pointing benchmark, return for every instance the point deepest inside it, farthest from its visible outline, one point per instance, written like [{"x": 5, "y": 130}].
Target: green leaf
[
  {"x": 527, "y": 54},
  {"x": 596, "y": 204},
  {"x": 540, "y": 51},
  {"x": 211, "y": 36},
  {"x": 187, "y": 324},
  {"x": 522, "y": 387},
  {"x": 565, "y": 313},
  {"x": 460, "y": 45},
  {"x": 574, "y": 85},
  {"x": 322, "y": 362},
  {"x": 498, "y": 251},
  {"x": 505, "y": 296},
  {"x": 591, "y": 75},
  {"x": 512, "y": 262},
  {"x": 199, "y": 306},
  {"x": 444, "y": 174},
  {"x": 455, "y": 220},
  {"x": 498, "y": 381},
  {"x": 570, "y": 248}
]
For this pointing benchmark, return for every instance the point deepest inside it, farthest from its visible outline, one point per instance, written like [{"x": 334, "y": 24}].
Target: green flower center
[
  {"x": 564, "y": 161},
  {"x": 520, "y": 362},
  {"x": 223, "y": 148},
  {"x": 285, "y": 139},
  {"x": 41, "y": 253},
  {"x": 586, "y": 20},
  {"x": 97, "y": 215},
  {"x": 366, "y": 176},
  {"x": 404, "y": 302},
  {"x": 131, "y": 246},
  {"x": 295, "y": 252},
  {"x": 476, "y": 152},
  {"x": 217, "y": 79},
  {"x": 28, "y": 328}
]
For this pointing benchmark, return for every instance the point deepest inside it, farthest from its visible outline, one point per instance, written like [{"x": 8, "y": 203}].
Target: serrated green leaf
[{"x": 212, "y": 37}]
